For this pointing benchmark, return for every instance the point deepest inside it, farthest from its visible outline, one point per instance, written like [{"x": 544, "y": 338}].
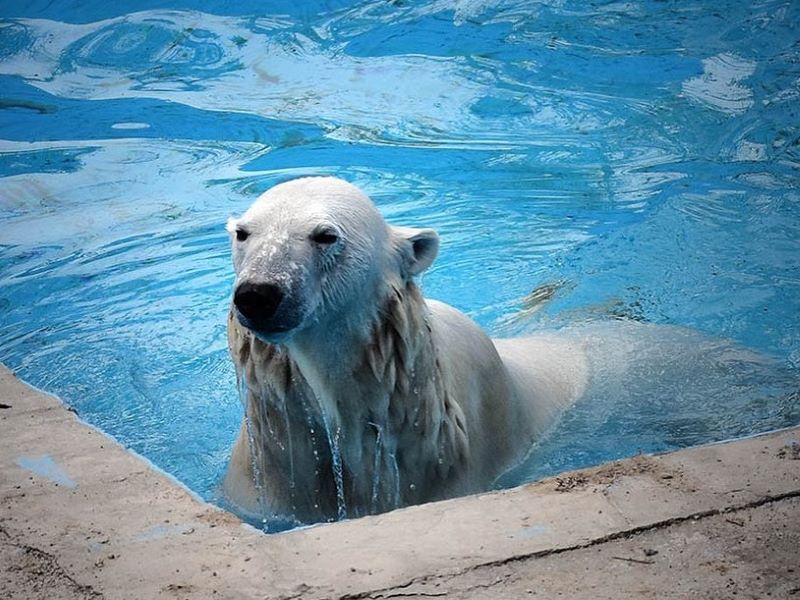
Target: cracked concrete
[
  {"x": 32, "y": 573},
  {"x": 80, "y": 517},
  {"x": 753, "y": 546}
]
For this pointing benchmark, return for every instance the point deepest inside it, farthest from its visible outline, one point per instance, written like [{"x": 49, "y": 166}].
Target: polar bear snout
[{"x": 257, "y": 304}]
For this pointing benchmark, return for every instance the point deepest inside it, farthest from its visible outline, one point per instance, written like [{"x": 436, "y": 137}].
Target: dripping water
[
  {"x": 395, "y": 478},
  {"x": 287, "y": 447},
  {"x": 314, "y": 447},
  {"x": 287, "y": 423},
  {"x": 336, "y": 456},
  {"x": 376, "y": 466},
  {"x": 258, "y": 480},
  {"x": 338, "y": 474}
]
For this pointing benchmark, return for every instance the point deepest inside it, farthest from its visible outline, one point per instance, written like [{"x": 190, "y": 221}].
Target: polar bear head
[{"x": 314, "y": 252}]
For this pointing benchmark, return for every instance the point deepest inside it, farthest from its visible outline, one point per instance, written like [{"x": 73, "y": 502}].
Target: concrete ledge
[{"x": 83, "y": 518}]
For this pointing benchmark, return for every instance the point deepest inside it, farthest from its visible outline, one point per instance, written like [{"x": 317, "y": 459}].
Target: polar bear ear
[
  {"x": 418, "y": 248},
  {"x": 230, "y": 226}
]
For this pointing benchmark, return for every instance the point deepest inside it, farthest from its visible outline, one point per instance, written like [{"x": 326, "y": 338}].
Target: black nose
[{"x": 257, "y": 301}]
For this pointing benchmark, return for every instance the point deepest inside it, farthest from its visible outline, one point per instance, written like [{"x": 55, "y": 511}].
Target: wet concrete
[{"x": 81, "y": 517}]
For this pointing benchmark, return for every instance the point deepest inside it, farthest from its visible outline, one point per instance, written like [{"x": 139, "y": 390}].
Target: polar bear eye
[
  {"x": 324, "y": 236},
  {"x": 241, "y": 234}
]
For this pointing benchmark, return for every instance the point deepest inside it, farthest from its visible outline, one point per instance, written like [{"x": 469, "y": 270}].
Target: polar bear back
[{"x": 510, "y": 390}]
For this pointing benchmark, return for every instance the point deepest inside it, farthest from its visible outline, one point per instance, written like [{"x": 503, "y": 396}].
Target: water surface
[{"x": 634, "y": 160}]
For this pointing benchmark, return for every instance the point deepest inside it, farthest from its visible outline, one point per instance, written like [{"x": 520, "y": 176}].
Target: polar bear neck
[
  {"x": 402, "y": 357},
  {"x": 388, "y": 415}
]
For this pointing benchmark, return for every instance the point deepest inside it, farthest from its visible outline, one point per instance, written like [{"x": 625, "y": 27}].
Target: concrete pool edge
[{"x": 101, "y": 522}]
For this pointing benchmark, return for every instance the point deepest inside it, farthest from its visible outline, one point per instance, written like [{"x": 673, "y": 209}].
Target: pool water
[{"x": 581, "y": 161}]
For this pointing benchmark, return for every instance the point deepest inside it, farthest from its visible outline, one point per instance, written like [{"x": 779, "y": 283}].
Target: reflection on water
[
  {"x": 721, "y": 84},
  {"x": 633, "y": 160}
]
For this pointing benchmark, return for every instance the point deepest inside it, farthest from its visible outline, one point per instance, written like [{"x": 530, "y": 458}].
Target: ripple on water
[
  {"x": 154, "y": 51},
  {"x": 14, "y": 38}
]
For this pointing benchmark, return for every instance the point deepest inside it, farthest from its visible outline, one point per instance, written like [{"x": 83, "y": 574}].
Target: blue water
[{"x": 640, "y": 159}]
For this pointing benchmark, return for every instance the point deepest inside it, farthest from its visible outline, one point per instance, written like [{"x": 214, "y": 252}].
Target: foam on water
[{"x": 580, "y": 162}]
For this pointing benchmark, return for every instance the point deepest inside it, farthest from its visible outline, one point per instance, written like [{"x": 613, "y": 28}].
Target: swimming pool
[{"x": 624, "y": 160}]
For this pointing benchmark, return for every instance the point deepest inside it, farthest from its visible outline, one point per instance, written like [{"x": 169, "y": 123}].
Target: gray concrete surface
[{"x": 80, "y": 517}]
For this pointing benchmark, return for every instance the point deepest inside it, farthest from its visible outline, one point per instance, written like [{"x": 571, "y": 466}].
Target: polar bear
[{"x": 360, "y": 395}]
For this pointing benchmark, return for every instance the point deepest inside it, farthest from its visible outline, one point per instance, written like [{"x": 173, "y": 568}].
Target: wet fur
[
  {"x": 412, "y": 433},
  {"x": 379, "y": 398}
]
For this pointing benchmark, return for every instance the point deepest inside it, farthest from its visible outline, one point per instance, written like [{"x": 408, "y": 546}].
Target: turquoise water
[{"x": 630, "y": 159}]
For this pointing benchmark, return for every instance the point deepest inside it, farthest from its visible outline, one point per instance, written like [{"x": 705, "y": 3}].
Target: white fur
[{"x": 376, "y": 398}]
